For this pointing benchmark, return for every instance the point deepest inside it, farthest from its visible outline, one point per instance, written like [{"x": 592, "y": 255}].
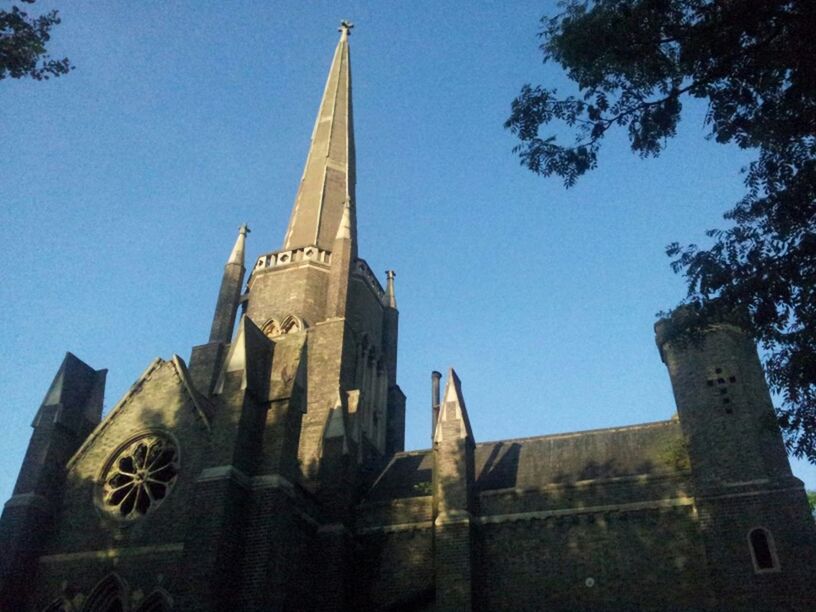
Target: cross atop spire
[
  {"x": 345, "y": 28},
  {"x": 329, "y": 177}
]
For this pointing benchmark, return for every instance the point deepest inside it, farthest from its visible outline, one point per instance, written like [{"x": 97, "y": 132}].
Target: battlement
[
  {"x": 277, "y": 259},
  {"x": 362, "y": 269},
  {"x": 314, "y": 254}
]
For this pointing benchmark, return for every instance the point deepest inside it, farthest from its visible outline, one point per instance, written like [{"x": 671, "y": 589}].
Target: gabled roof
[{"x": 201, "y": 405}]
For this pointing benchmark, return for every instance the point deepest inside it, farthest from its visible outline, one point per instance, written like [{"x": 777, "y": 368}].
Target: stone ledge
[
  {"x": 114, "y": 553},
  {"x": 544, "y": 514},
  {"x": 454, "y": 517},
  {"x": 31, "y": 500},
  {"x": 224, "y": 472},
  {"x": 395, "y": 527}
]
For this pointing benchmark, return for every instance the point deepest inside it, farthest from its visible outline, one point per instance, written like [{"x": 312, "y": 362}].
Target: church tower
[
  {"x": 317, "y": 285},
  {"x": 218, "y": 484}
]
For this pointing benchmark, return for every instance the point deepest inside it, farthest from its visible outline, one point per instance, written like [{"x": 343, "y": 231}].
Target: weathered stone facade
[{"x": 270, "y": 474}]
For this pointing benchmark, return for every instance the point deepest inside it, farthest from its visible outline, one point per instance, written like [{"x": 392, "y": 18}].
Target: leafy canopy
[
  {"x": 22, "y": 45},
  {"x": 754, "y": 63}
]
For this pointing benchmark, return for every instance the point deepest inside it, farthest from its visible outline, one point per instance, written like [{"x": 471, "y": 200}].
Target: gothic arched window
[
  {"x": 271, "y": 328},
  {"x": 107, "y": 596},
  {"x": 763, "y": 551}
]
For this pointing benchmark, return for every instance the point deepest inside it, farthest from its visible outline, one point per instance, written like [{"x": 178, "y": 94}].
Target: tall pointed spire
[{"x": 329, "y": 177}]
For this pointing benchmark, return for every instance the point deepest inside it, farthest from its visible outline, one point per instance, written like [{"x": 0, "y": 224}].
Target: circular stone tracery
[{"x": 140, "y": 476}]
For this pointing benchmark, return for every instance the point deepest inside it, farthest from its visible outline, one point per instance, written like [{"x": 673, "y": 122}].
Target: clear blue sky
[{"x": 122, "y": 186}]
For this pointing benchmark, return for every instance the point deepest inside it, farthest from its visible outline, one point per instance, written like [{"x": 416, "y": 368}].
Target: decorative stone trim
[
  {"x": 138, "y": 475},
  {"x": 749, "y": 493},
  {"x": 362, "y": 270},
  {"x": 396, "y": 527},
  {"x": 454, "y": 517},
  {"x": 544, "y": 514},
  {"x": 639, "y": 479},
  {"x": 279, "y": 259},
  {"x": 114, "y": 553}
]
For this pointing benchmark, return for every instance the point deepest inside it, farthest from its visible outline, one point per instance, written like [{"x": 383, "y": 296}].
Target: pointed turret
[
  {"x": 395, "y": 432},
  {"x": 70, "y": 411},
  {"x": 454, "y": 423},
  {"x": 342, "y": 256},
  {"x": 454, "y": 500},
  {"x": 230, "y": 294},
  {"x": 329, "y": 177},
  {"x": 206, "y": 359}
]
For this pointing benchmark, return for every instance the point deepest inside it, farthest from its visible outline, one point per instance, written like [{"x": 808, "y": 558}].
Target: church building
[{"x": 268, "y": 471}]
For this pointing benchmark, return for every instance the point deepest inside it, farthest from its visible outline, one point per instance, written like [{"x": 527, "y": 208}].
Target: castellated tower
[{"x": 269, "y": 473}]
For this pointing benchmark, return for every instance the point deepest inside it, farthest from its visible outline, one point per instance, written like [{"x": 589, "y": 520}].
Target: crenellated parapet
[
  {"x": 279, "y": 259},
  {"x": 362, "y": 270}
]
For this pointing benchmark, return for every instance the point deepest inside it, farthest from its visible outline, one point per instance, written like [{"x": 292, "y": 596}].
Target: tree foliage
[
  {"x": 23, "y": 45},
  {"x": 754, "y": 63}
]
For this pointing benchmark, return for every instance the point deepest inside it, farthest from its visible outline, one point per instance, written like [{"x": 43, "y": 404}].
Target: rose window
[{"x": 140, "y": 476}]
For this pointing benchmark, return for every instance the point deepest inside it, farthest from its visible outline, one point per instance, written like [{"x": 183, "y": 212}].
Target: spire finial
[
  {"x": 345, "y": 28},
  {"x": 237, "y": 255}
]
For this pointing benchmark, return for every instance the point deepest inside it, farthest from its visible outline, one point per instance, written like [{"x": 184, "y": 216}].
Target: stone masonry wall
[
  {"x": 394, "y": 568},
  {"x": 299, "y": 289},
  {"x": 642, "y": 560},
  {"x": 726, "y": 522}
]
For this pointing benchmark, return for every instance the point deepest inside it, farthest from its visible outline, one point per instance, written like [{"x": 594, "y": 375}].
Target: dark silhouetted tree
[
  {"x": 754, "y": 63},
  {"x": 23, "y": 41}
]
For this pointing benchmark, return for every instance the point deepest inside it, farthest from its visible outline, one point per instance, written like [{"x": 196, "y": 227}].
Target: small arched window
[{"x": 763, "y": 551}]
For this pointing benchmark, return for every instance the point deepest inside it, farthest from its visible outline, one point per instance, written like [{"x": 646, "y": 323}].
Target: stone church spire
[{"x": 329, "y": 177}]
